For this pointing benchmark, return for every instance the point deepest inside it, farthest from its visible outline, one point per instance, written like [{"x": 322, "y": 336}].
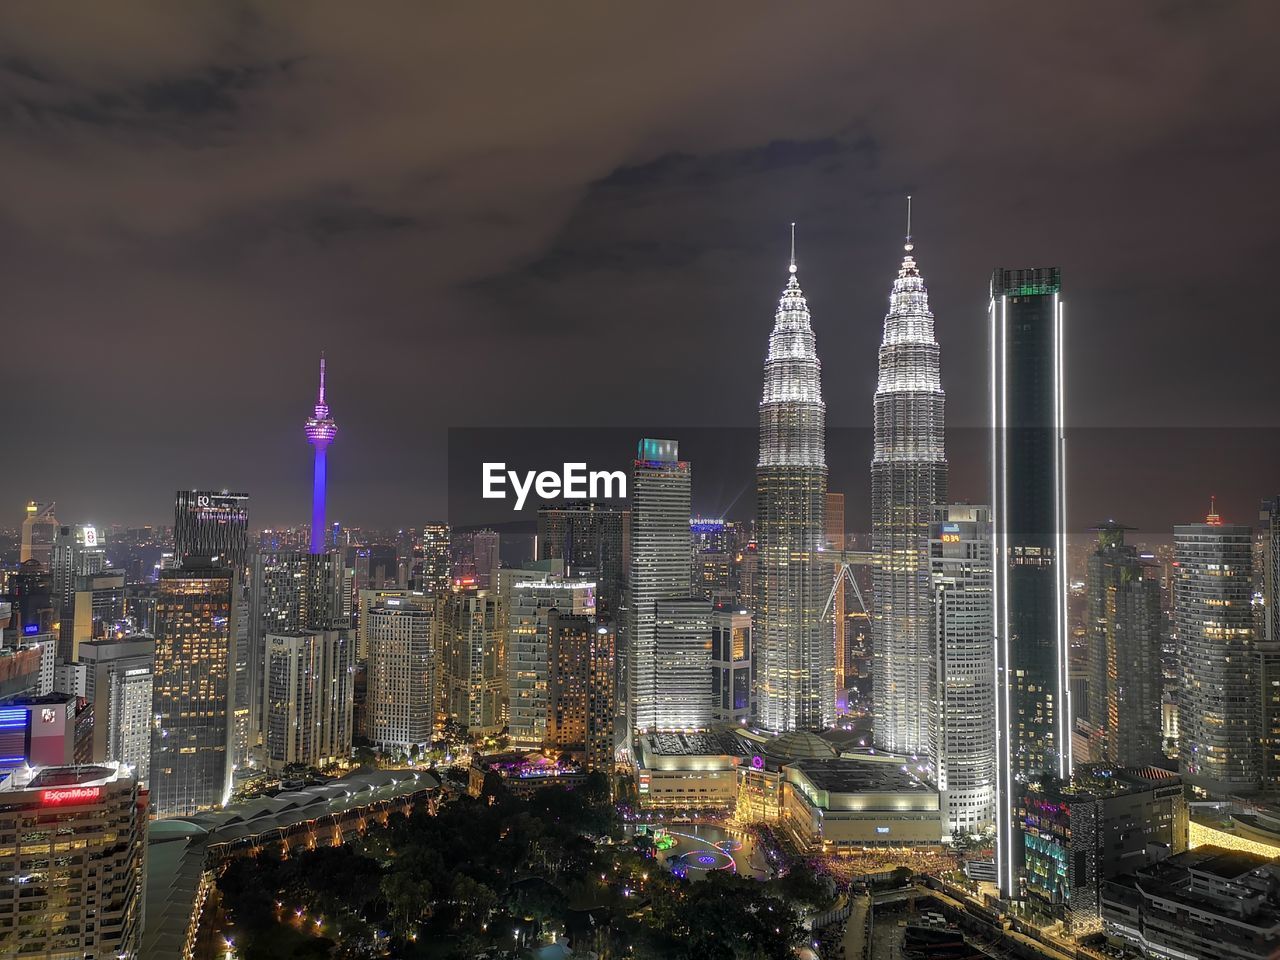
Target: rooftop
[
  {"x": 697, "y": 744},
  {"x": 850, "y": 775},
  {"x": 42, "y": 778}
]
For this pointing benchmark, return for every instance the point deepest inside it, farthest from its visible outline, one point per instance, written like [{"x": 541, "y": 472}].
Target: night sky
[{"x": 534, "y": 215}]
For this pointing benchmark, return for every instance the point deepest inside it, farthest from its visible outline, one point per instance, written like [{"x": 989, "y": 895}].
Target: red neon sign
[{"x": 69, "y": 795}]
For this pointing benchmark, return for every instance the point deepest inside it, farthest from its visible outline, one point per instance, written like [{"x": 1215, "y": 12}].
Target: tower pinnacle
[
  {"x": 792, "y": 268},
  {"x": 320, "y": 429}
]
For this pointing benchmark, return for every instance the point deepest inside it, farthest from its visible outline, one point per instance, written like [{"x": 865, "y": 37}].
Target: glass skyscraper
[
  {"x": 1219, "y": 707},
  {"x": 193, "y": 696},
  {"x": 795, "y": 654},
  {"x": 908, "y": 476},
  {"x": 1123, "y": 630},
  {"x": 961, "y": 714},
  {"x": 1028, "y": 470},
  {"x": 661, "y": 566}
]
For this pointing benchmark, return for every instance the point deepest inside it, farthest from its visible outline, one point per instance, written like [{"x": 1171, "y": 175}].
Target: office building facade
[
  {"x": 961, "y": 709},
  {"x": 1219, "y": 713},
  {"x": 732, "y": 665},
  {"x": 193, "y": 699},
  {"x": 1028, "y": 482},
  {"x": 120, "y": 678},
  {"x": 401, "y": 671},
  {"x": 211, "y": 523},
  {"x": 75, "y": 841},
  {"x": 661, "y": 565}
]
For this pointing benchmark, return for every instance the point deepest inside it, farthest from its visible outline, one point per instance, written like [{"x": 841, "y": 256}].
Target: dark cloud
[{"x": 523, "y": 215}]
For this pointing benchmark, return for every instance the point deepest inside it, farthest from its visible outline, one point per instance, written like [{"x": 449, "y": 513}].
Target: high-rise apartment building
[
  {"x": 437, "y": 558},
  {"x": 1123, "y": 628},
  {"x": 291, "y": 592},
  {"x": 908, "y": 476},
  {"x": 527, "y": 598},
  {"x": 1218, "y": 694},
  {"x": 73, "y": 852},
  {"x": 1028, "y": 482},
  {"x": 661, "y": 566},
  {"x": 472, "y": 674},
  {"x": 307, "y": 698},
  {"x": 77, "y": 551},
  {"x": 580, "y": 709},
  {"x": 119, "y": 683},
  {"x": 486, "y": 554},
  {"x": 39, "y": 528},
  {"x": 402, "y": 683},
  {"x": 193, "y": 696},
  {"x": 961, "y": 710},
  {"x": 1268, "y": 643},
  {"x": 795, "y": 654}
]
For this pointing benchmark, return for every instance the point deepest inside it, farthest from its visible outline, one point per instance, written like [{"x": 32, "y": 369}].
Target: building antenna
[
  {"x": 792, "y": 268},
  {"x": 908, "y": 246},
  {"x": 322, "y": 376}
]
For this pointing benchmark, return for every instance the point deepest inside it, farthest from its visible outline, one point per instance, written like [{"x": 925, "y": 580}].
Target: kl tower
[{"x": 321, "y": 429}]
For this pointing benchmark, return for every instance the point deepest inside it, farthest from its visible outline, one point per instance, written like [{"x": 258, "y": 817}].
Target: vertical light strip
[
  {"x": 1004, "y": 572},
  {"x": 1064, "y": 639},
  {"x": 997, "y": 518}
]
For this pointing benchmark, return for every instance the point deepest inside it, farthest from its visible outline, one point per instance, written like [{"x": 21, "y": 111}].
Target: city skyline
[{"x": 400, "y": 250}]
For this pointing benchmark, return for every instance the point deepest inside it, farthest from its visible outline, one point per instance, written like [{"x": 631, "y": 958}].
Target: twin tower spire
[{"x": 796, "y": 656}]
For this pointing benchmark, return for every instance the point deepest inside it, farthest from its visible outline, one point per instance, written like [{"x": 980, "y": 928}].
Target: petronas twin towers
[
  {"x": 795, "y": 659},
  {"x": 908, "y": 476},
  {"x": 795, "y": 646}
]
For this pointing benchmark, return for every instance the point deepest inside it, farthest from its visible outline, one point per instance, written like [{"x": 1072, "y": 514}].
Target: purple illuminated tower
[{"x": 321, "y": 429}]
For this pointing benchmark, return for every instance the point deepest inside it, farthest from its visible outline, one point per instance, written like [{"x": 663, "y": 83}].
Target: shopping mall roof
[{"x": 177, "y": 847}]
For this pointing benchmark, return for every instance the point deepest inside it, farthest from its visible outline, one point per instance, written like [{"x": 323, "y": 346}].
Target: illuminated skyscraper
[
  {"x": 307, "y": 698},
  {"x": 321, "y": 429},
  {"x": 1123, "y": 630},
  {"x": 908, "y": 476},
  {"x": 795, "y": 653},
  {"x": 211, "y": 523},
  {"x": 1219, "y": 703},
  {"x": 527, "y": 598},
  {"x": 580, "y": 674},
  {"x": 1029, "y": 504},
  {"x": 486, "y": 552},
  {"x": 661, "y": 565},
  {"x": 39, "y": 528},
  {"x": 436, "y": 558},
  {"x": 473, "y": 682},
  {"x": 87, "y": 902},
  {"x": 193, "y": 696},
  {"x": 403, "y": 689},
  {"x": 961, "y": 716}
]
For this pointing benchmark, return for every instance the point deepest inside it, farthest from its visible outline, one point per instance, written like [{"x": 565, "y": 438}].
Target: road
[{"x": 855, "y": 931}]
